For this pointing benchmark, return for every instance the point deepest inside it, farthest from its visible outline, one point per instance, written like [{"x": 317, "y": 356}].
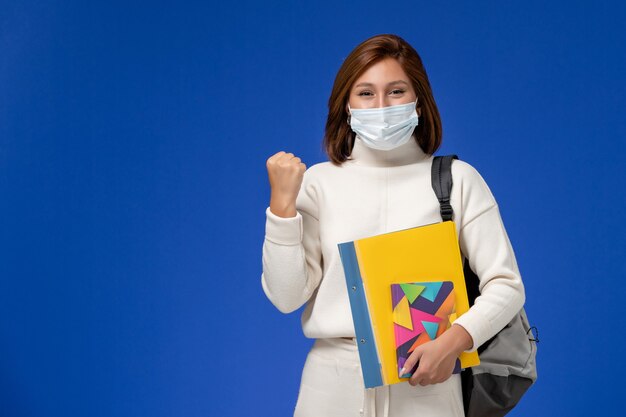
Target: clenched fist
[{"x": 285, "y": 171}]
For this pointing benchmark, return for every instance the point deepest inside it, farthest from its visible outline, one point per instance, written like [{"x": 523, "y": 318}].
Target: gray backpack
[{"x": 507, "y": 361}]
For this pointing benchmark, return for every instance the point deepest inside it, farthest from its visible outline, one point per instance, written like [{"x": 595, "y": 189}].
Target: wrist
[
  {"x": 282, "y": 207},
  {"x": 458, "y": 340}
]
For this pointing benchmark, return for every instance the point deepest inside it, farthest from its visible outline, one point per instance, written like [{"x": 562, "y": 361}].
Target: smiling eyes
[{"x": 396, "y": 92}]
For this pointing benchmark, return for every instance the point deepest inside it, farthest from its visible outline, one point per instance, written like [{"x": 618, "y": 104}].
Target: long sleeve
[
  {"x": 292, "y": 257},
  {"x": 484, "y": 241}
]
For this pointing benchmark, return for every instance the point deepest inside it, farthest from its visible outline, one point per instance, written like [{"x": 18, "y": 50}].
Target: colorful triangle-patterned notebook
[{"x": 422, "y": 311}]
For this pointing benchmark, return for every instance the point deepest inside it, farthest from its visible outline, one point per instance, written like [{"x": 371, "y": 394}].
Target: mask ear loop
[{"x": 352, "y": 137}]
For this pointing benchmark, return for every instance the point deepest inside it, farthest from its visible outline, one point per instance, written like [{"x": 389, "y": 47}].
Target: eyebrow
[{"x": 389, "y": 84}]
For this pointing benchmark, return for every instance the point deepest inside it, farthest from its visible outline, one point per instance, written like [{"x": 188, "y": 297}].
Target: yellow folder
[{"x": 420, "y": 254}]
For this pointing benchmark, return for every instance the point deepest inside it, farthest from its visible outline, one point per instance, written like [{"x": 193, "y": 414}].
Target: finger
[
  {"x": 286, "y": 159},
  {"x": 419, "y": 376},
  {"x": 419, "y": 380},
  {"x": 411, "y": 361},
  {"x": 272, "y": 159},
  {"x": 280, "y": 155},
  {"x": 445, "y": 378},
  {"x": 277, "y": 155}
]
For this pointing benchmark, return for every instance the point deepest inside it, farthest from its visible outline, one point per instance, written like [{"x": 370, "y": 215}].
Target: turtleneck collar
[{"x": 408, "y": 153}]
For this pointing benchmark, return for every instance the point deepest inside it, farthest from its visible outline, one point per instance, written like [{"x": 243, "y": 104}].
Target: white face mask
[{"x": 384, "y": 128}]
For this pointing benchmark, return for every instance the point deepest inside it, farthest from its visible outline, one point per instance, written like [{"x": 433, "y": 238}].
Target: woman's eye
[
  {"x": 397, "y": 92},
  {"x": 365, "y": 93}
]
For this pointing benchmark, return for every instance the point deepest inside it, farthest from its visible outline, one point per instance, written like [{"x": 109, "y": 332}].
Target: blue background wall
[{"x": 133, "y": 141}]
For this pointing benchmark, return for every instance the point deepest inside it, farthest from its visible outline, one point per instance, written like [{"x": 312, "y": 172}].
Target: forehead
[{"x": 383, "y": 72}]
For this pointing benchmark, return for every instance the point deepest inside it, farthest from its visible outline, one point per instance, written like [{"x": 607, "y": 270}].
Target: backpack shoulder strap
[{"x": 441, "y": 178}]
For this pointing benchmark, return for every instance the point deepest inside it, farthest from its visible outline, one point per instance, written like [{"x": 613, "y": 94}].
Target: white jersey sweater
[{"x": 376, "y": 192}]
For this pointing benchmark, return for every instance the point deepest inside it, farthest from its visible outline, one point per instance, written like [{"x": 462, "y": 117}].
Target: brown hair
[{"x": 339, "y": 137}]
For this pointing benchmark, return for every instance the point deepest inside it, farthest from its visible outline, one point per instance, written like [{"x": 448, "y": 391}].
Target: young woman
[{"x": 382, "y": 129}]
